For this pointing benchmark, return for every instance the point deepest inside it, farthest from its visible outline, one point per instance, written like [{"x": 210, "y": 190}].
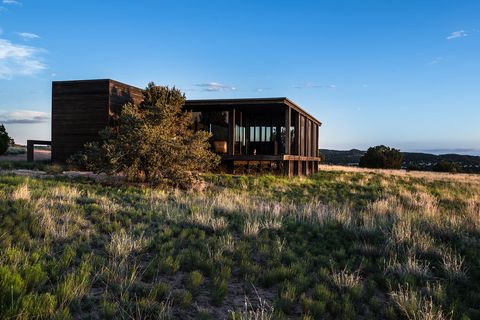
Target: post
[
  {"x": 288, "y": 114},
  {"x": 30, "y": 150},
  {"x": 231, "y": 132}
]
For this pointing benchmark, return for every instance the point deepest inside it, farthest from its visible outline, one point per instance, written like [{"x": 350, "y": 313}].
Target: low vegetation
[
  {"x": 357, "y": 244},
  {"x": 5, "y": 140},
  {"x": 152, "y": 142},
  {"x": 381, "y": 157}
]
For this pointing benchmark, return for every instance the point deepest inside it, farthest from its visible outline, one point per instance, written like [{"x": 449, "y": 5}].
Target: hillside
[
  {"x": 346, "y": 243},
  {"x": 424, "y": 161}
]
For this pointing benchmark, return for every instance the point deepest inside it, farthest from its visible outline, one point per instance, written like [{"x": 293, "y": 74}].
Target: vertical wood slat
[{"x": 297, "y": 134}]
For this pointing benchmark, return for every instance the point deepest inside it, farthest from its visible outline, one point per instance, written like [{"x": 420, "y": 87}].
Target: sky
[{"x": 402, "y": 73}]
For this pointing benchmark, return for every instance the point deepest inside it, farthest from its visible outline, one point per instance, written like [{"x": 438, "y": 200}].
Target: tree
[
  {"x": 382, "y": 157},
  {"x": 153, "y": 142},
  {"x": 5, "y": 140},
  {"x": 447, "y": 166}
]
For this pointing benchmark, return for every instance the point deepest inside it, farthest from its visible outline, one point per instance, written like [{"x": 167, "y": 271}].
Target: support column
[
  {"x": 300, "y": 168},
  {"x": 230, "y": 166},
  {"x": 231, "y": 132},
  {"x": 288, "y": 168},
  {"x": 288, "y": 121},
  {"x": 30, "y": 150}
]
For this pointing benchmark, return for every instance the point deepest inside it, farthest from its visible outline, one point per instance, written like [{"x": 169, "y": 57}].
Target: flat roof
[
  {"x": 252, "y": 101},
  {"x": 225, "y": 102}
]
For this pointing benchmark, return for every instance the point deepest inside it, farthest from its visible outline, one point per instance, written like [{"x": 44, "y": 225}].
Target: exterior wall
[{"x": 80, "y": 109}]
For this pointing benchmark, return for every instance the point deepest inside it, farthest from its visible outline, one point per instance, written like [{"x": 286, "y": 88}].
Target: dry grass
[
  {"x": 432, "y": 176},
  {"x": 345, "y": 279},
  {"x": 414, "y": 306}
]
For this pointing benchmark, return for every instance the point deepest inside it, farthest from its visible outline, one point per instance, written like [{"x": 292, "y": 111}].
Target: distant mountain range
[{"x": 423, "y": 161}]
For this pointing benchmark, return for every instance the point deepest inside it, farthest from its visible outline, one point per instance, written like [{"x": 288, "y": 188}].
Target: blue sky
[{"x": 401, "y": 73}]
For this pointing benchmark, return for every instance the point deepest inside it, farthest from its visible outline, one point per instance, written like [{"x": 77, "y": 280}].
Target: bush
[
  {"x": 381, "y": 157},
  {"x": 447, "y": 166},
  {"x": 5, "y": 140},
  {"x": 152, "y": 142},
  {"x": 194, "y": 281}
]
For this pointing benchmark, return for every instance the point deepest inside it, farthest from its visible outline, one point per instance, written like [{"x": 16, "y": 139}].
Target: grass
[{"x": 345, "y": 243}]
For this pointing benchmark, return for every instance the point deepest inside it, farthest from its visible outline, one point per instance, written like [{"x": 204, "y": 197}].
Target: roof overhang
[{"x": 281, "y": 101}]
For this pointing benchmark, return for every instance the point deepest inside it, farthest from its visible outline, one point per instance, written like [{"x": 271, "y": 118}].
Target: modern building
[{"x": 249, "y": 134}]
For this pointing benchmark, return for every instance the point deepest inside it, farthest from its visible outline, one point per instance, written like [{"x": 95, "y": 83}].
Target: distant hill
[{"x": 423, "y": 161}]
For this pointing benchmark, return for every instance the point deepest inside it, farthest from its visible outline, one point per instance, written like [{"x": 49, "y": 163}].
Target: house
[{"x": 268, "y": 133}]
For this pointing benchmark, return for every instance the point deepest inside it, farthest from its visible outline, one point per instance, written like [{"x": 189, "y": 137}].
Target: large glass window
[{"x": 215, "y": 122}]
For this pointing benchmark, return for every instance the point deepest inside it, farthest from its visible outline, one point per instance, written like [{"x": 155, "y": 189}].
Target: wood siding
[{"x": 80, "y": 109}]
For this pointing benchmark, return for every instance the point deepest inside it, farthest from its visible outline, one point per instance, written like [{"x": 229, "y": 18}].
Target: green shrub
[
  {"x": 152, "y": 141},
  {"x": 381, "y": 157},
  {"x": 40, "y": 306},
  {"x": 12, "y": 287},
  {"x": 194, "y": 281},
  {"x": 74, "y": 284},
  {"x": 169, "y": 265},
  {"x": 287, "y": 297},
  {"x": 182, "y": 298},
  {"x": 219, "y": 290},
  {"x": 34, "y": 276},
  {"x": 5, "y": 140},
  {"x": 161, "y": 291}
]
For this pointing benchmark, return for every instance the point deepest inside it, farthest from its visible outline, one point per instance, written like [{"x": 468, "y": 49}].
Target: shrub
[
  {"x": 160, "y": 292},
  {"x": 152, "y": 142},
  {"x": 182, "y": 298},
  {"x": 219, "y": 290},
  {"x": 447, "y": 166},
  {"x": 381, "y": 157},
  {"x": 5, "y": 140},
  {"x": 194, "y": 281}
]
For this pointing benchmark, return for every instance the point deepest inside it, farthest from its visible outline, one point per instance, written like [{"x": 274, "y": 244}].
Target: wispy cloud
[
  {"x": 18, "y": 59},
  {"x": 12, "y": 2},
  {"x": 215, "y": 87},
  {"x": 457, "y": 34},
  {"x": 28, "y": 35},
  {"x": 310, "y": 85},
  {"x": 436, "y": 60},
  {"x": 23, "y": 116}
]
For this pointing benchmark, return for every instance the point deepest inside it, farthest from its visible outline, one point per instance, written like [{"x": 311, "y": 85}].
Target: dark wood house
[
  {"x": 249, "y": 134},
  {"x": 80, "y": 109},
  {"x": 273, "y": 133}
]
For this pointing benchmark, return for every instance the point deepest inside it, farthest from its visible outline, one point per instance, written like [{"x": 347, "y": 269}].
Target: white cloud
[
  {"x": 457, "y": 34},
  {"x": 436, "y": 60},
  {"x": 215, "y": 86},
  {"x": 310, "y": 85},
  {"x": 28, "y": 36},
  {"x": 18, "y": 59},
  {"x": 11, "y": 2},
  {"x": 24, "y": 116}
]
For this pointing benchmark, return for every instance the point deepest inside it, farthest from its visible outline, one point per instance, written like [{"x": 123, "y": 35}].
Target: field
[{"x": 345, "y": 243}]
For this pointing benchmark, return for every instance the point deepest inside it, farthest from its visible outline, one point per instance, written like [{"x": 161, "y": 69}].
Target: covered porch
[{"x": 248, "y": 132}]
